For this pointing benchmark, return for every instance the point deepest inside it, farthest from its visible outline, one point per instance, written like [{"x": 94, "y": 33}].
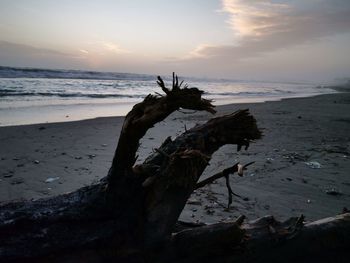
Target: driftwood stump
[{"x": 132, "y": 214}]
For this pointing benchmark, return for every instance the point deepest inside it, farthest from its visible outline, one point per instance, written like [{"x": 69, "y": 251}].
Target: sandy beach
[{"x": 301, "y": 164}]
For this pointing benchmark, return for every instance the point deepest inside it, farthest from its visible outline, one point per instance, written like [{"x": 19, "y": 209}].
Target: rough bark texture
[{"x": 131, "y": 215}]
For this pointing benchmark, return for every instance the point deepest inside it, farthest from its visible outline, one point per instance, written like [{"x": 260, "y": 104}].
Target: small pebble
[
  {"x": 36, "y": 161},
  {"x": 51, "y": 179}
]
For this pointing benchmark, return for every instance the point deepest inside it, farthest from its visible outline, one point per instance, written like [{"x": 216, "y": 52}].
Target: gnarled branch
[{"x": 145, "y": 115}]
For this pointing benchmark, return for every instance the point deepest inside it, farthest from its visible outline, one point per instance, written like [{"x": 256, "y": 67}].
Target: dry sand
[{"x": 280, "y": 183}]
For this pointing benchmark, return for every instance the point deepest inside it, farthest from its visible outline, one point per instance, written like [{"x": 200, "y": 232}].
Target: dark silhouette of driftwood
[{"x": 132, "y": 214}]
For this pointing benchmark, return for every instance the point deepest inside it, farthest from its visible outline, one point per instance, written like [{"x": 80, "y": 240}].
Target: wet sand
[{"x": 301, "y": 165}]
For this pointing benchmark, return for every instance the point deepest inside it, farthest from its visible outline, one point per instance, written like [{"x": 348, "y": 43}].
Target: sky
[{"x": 238, "y": 39}]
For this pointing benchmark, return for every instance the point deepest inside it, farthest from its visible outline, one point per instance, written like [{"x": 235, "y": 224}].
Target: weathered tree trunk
[
  {"x": 131, "y": 215},
  {"x": 265, "y": 240}
]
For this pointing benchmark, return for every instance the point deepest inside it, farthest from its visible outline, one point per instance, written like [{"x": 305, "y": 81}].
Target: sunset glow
[{"x": 243, "y": 39}]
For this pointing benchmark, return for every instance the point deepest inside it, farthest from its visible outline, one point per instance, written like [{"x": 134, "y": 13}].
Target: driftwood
[{"x": 132, "y": 214}]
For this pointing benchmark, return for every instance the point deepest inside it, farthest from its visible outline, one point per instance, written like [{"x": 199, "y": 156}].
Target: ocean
[{"x": 29, "y": 95}]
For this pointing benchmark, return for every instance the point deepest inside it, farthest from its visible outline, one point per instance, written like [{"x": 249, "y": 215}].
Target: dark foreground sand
[{"x": 280, "y": 183}]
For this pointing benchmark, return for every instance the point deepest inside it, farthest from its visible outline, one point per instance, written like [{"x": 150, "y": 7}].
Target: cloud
[
  {"x": 255, "y": 18},
  {"x": 15, "y": 54},
  {"x": 263, "y": 26},
  {"x": 7, "y": 48},
  {"x": 114, "y": 48},
  {"x": 84, "y": 51},
  {"x": 197, "y": 52},
  {"x": 101, "y": 48}
]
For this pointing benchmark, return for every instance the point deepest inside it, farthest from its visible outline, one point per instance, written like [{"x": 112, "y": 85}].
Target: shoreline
[
  {"x": 296, "y": 131},
  {"x": 70, "y": 112}
]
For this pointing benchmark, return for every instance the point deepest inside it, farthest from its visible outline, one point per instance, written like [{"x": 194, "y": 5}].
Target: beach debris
[
  {"x": 193, "y": 202},
  {"x": 269, "y": 160},
  {"x": 18, "y": 180},
  {"x": 15, "y": 159},
  {"x": 308, "y": 201},
  {"x": 78, "y": 157},
  {"x": 104, "y": 145},
  {"x": 296, "y": 156},
  {"x": 91, "y": 156},
  {"x": 52, "y": 179},
  {"x": 313, "y": 164},
  {"x": 333, "y": 191},
  {"x": 240, "y": 169},
  {"x": 36, "y": 161},
  {"x": 304, "y": 180},
  {"x": 9, "y": 174},
  {"x": 289, "y": 179},
  {"x": 210, "y": 211},
  {"x": 41, "y": 128}
]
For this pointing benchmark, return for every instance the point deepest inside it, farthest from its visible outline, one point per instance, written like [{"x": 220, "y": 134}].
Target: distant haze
[{"x": 237, "y": 39}]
